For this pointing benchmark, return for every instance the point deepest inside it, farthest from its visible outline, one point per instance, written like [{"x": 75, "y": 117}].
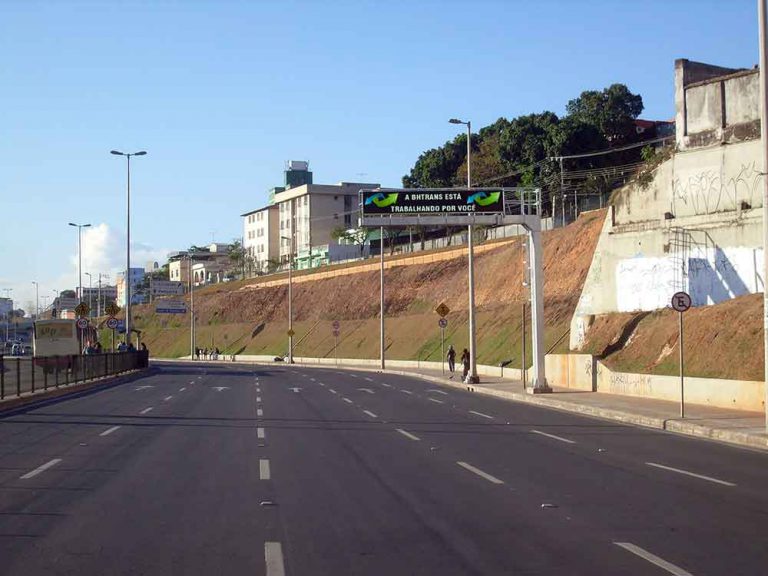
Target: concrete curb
[{"x": 686, "y": 428}]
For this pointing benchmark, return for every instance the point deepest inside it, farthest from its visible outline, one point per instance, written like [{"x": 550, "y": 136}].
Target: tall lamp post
[
  {"x": 80, "y": 255},
  {"x": 37, "y": 299},
  {"x": 90, "y": 294},
  {"x": 128, "y": 243},
  {"x": 471, "y": 264},
  {"x": 10, "y": 314},
  {"x": 290, "y": 299},
  {"x": 762, "y": 17}
]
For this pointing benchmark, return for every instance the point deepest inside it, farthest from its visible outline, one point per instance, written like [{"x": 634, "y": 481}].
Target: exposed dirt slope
[{"x": 244, "y": 319}]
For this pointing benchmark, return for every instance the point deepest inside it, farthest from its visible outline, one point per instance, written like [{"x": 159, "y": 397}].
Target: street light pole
[
  {"x": 37, "y": 299},
  {"x": 80, "y": 256},
  {"x": 128, "y": 244},
  {"x": 471, "y": 262},
  {"x": 90, "y": 293},
  {"x": 290, "y": 297}
]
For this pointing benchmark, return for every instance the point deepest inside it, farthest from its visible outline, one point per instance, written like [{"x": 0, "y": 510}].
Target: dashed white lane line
[
  {"x": 653, "y": 559},
  {"x": 480, "y": 473},
  {"x": 700, "y": 476},
  {"x": 554, "y": 437},
  {"x": 481, "y": 414},
  {"x": 332, "y": 391},
  {"x": 273, "y": 557},
  {"x": 258, "y": 398},
  {"x": 436, "y": 391},
  {"x": 167, "y": 398},
  {"x": 347, "y": 400},
  {"x": 386, "y": 385},
  {"x": 109, "y": 431},
  {"x": 146, "y": 410},
  {"x": 259, "y": 412},
  {"x": 352, "y": 376},
  {"x": 436, "y": 400},
  {"x": 182, "y": 389},
  {"x": 407, "y": 434},
  {"x": 260, "y": 433},
  {"x": 371, "y": 414},
  {"x": 321, "y": 384},
  {"x": 369, "y": 379},
  {"x": 406, "y": 391},
  {"x": 264, "y": 472},
  {"x": 39, "y": 469}
]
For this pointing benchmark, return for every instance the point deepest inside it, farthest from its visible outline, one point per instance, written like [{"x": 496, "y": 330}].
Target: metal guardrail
[{"x": 25, "y": 375}]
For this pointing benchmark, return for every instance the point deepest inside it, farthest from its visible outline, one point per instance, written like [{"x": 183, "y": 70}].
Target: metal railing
[{"x": 26, "y": 375}]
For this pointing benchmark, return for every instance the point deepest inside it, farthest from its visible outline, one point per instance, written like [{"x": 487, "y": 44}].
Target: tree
[
  {"x": 357, "y": 236},
  {"x": 67, "y": 294},
  {"x": 437, "y": 168},
  {"x": 612, "y": 110},
  {"x": 237, "y": 255}
]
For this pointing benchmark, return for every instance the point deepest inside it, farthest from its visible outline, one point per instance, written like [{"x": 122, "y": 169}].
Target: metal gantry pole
[
  {"x": 191, "y": 311},
  {"x": 381, "y": 297},
  {"x": 128, "y": 260},
  {"x": 762, "y": 11}
]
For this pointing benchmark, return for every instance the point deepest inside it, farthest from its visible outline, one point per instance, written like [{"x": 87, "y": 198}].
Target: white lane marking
[
  {"x": 321, "y": 384},
  {"x": 146, "y": 410},
  {"x": 259, "y": 412},
  {"x": 436, "y": 400},
  {"x": 352, "y": 376},
  {"x": 366, "y": 390},
  {"x": 481, "y": 414},
  {"x": 385, "y": 384},
  {"x": 192, "y": 382},
  {"x": 347, "y": 400},
  {"x": 312, "y": 380},
  {"x": 371, "y": 414},
  {"x": 40, "y": 469},
  {"x": 653, "y": 559},
  {"x": 264, "y": 472},
  {"x": 436, "y": 391},
  {"x": 369, "y": 379},
  {"x": 109, "y": 431},
  {"x": 167, "y": 398},
  {"x": 260, "y": 433},
  {"x": 406, "y": 391},
  {"x": 566, "y": 440},
  {"x": 407, "y": 434},
  {"x": 273, "y": 557},
  {"x": 480, "y": 473},
  {"x": 182, "y": 389},
  {"x": 258, "y": 398},
  {"x": 332, "y": 390},
  {"x": 701, "y": 476}
]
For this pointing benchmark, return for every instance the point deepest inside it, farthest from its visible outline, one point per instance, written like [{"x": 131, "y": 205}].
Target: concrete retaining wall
[{"x": 575, "y": 371}]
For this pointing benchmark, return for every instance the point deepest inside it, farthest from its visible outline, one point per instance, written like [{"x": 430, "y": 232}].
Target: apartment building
[{"x": 261, "y": 235}]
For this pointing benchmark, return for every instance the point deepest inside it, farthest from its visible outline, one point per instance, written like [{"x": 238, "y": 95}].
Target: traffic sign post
[
  {"x": 442, "y": 310},
  {"x": 681, "y": 302},
  {"x": 442, "y": 323},
  {"x": 336, "y": 326}
]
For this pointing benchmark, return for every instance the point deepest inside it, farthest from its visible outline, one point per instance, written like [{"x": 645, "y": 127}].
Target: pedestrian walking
[
  {"x": 465, "y": 364},
  {"x": 451, "y": 357}
]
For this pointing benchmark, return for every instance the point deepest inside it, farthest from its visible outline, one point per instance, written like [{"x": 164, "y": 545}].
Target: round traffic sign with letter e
[
  {"x": 82, "y": 323},
  {"x": 442, "y": 322},
  {"x": 681, "y": 301},
  {"x": 112, "y": 323}
]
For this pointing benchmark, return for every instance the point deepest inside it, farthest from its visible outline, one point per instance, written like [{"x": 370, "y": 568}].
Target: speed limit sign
[
  {"x": 82, "y": 323},
  {"x": 112, "y": 323}
]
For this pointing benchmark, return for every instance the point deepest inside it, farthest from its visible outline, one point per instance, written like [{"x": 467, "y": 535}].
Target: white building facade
[{"x": 261, "y": 236}]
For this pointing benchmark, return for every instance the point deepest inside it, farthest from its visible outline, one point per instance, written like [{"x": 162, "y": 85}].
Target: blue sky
[{"x": 222, "y": 93}]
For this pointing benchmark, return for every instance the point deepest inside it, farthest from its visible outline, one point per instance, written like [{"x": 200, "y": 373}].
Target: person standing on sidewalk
[
  {"x": 451, "y": 357},
  {"x": 465, "y": 364}
]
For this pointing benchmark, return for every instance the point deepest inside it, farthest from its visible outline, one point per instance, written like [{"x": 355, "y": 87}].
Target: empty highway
[{"x": 270, "y": 470}]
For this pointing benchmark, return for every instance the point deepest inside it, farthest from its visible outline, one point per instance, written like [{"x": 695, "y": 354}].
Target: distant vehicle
[{"x": 19, "y": 349}]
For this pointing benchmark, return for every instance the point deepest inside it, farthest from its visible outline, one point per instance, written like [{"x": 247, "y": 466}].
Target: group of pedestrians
[
  {"x": 207, "y": 354},
  {"x": 451, "y": 357}
]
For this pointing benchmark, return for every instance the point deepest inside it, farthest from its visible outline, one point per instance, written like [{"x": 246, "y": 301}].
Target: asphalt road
[{"x": 235, "y": 469}]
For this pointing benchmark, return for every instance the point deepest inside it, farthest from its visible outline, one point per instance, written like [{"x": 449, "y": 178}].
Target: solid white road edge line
[
  {"x": 260, "y": 433},
  {"x": 273, "y": 557},
  {"x": 481, "y": 414},
  {"x": 109, "y": 431},
  {"x": 371, "y": 414},
  {"x": 407, "y": 434},
  {"x": 146, "y": 410},
  {"x": 566, "y": 440},
  {"x": 480, "y": 473},
  {"x": 701, "y": 476},
  {"x": 264, "y": 473},
  {"x": 40, "y": 469},
  {"x": 653, "y": 559}
]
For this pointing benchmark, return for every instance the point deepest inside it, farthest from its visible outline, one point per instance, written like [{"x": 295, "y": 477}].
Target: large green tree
[{"x": 612, "y": 110}]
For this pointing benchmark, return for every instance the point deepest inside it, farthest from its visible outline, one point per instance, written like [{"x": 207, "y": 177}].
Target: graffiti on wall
[
  {"x": 644, "y": 283},
  {"x": 707, "y": 191},
  {"x": 630, "y": 384}
]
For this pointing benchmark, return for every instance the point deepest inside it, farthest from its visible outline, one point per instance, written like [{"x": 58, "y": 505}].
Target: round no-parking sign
[
  {"x": 442, "y": 322},
  {"x": 681, "y": 301}
]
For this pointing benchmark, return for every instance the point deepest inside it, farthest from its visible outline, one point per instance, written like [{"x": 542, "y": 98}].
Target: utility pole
[
  {"x": 762, "y": 10},
  {"x": 381, "y": 297}
]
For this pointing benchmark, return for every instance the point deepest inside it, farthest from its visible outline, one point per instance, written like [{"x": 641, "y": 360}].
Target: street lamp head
[
  {"x": 116, "y": 153},
  {"x": 142, "y": 153},
  {"x": 456, "y": 121},
  {"x": 86, "y": 225},
  {"x": 73, "y": 224}
]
